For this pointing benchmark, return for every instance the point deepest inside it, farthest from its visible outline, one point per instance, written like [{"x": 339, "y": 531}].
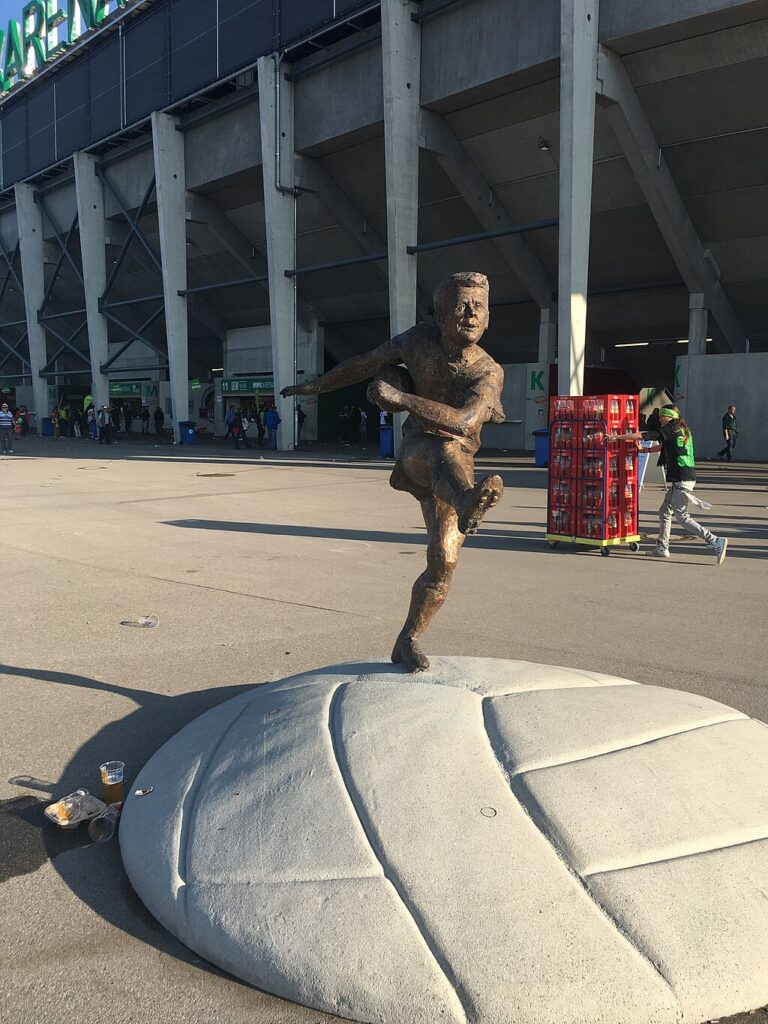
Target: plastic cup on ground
[
  {"x": 102, "y": 829},
  {"x": 112, "y": 773}
]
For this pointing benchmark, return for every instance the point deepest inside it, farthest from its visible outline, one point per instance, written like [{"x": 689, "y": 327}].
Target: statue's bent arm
[{"x": 483, "y": 403}]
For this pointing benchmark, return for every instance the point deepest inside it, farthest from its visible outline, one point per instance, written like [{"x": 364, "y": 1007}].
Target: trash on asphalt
[
  {"x": 102, "y": 828},
  {"x": 72, "y": 810},
  {"x": 143, "y": 621},
  {"x": 143, "y": 792}
]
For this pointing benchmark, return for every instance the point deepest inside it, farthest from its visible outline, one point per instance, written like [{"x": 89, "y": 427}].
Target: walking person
[
  {"x": 675, "y": 441},
  {"x": 144, "y": 420},
  {"x": 272, "y": 421},
  {"x": 93, "y": 426},
  {"x": 258, "y": 419},
  {"x": 105, "y": 425},
  {"x": 229, "y": 419},
  {"x": 55, "y": 422},
  {"x": 300, "y": 418},
  {"x": 730, "y": 433},
  {"x": 159, "y": 421},
  {"x": 6, "y": 429},
  {"x": 363, "y": 426},
  {"x": 238, "y": 428}
]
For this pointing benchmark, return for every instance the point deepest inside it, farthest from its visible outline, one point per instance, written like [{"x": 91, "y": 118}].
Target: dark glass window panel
[
  {"x": 14, "y": 135},
  {"x": 246, "y": 32},
  {"x": 42, "y": 133},
  {"x": 146, "y": 65},
  {"x": 105, "y": 102},
  {"x": 346, "y": 6},
  {"x": 72, "y": 130},
  {"x": 193, "y": 46},
  {"x": 298, "y": 17}
]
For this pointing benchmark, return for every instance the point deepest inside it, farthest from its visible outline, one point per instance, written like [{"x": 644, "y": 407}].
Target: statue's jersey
[{"x": 435, "y": 377}]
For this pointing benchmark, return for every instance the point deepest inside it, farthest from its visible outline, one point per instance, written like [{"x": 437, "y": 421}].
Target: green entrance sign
[
  {"x": 124, "y": 389},
  {"x": 195, "y": 385},
  {"x": 44, "y": 31},
  {"x": 247, "y": 385}
]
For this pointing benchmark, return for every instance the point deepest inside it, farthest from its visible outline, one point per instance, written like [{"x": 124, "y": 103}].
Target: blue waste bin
[
  {"x": 188, "y": 431},
  {"x": 386, "y": 442},
  {"x": 47, "y": 426},
  {"x": 541, "y": 454}
]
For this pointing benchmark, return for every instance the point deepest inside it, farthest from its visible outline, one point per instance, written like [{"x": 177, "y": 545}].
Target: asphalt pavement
[{"x": 260, "y": 565}]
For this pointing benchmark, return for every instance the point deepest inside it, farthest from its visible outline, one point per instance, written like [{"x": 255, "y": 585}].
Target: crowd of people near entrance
[
  {"x": 251, "y": 424},
  {"x": 353, "y": 425},
  {"x": 105, "y": 423}
]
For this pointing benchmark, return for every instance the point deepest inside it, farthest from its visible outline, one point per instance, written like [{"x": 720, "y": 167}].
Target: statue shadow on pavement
[{"x": 94, "y": 872}]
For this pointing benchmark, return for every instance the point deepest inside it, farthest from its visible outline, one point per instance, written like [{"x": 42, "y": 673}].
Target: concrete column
[
  {"x": 168, "y": 149},
  {"x": 401, "y": 70},
  {"x": 578, "y": 67},
  {"x": 30, "y": 227},
  {"x": 698, "y": 324},
  {"x": 276, "y": 115},
  {"x": 309, "y": 365},
  {"x": 90, "y": 218},
  {"x": 548, "y": 336}
]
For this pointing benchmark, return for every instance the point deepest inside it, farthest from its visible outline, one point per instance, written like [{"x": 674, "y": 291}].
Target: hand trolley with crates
[{"x": 592, "y": 494}]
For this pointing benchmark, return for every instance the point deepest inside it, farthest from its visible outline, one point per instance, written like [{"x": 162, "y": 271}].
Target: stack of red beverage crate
[{"x": 592, "y": 497}]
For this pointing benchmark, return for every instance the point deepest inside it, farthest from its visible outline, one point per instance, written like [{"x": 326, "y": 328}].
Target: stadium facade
[{"x": 206, "y": 200}]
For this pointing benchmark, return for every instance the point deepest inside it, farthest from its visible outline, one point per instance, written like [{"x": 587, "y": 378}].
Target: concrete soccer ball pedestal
[{"x": 490, "y": 841}]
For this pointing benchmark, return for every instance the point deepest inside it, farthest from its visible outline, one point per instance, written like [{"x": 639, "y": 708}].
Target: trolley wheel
[
  {"x": 553, "y": 543},
  {"x": 605, "y": 552},
  {"x": 634, "y": 546}
]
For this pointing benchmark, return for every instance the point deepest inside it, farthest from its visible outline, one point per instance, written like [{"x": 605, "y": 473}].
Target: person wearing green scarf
[{"x": 675, "y": 441}]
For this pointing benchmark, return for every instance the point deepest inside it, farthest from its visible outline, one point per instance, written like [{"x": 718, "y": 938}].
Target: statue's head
[{"x": 461, "y": 307}]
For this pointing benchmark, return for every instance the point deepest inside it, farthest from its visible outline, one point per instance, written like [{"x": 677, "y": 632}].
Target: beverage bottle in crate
[
  {"x": 629, "y": 492},
  {"x": 629, "y": 463},
  {"x": 613, "y": 522},
  {"x": 613, "y": 493},
  {"x": 631, "y": 406},
  {"x": 613, "y": 464}
]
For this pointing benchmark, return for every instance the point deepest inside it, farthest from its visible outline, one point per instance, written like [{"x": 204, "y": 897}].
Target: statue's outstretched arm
[{"x": 350, "y": 371}]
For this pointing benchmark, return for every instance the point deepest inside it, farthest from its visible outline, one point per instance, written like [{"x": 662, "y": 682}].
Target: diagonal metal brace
[
  {"x": 67, "y": 344},
  {"x": 63, "y": 242},
  {"x": 133, "y": 223},
  {"x": 135, "y": 335}
]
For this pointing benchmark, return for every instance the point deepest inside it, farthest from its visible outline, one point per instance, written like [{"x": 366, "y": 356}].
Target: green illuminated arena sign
[{"x": 45, "y": 30}]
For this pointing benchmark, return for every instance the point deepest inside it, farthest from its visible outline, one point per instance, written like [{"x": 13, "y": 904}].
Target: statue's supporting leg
[{"x": 431, "y": 588}]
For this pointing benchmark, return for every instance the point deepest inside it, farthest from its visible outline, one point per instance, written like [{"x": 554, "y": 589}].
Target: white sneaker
[
  {"x": 657, "y": 551},
  {"x": 719, "y": 547}
]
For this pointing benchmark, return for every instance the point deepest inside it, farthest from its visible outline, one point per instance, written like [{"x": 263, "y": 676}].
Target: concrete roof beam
[
  {"x": 315, "y": 178},
  {"x": 638, "y": 141},
  {"x": 238, "y": 245},
  {"x": 475, "y": 190}
]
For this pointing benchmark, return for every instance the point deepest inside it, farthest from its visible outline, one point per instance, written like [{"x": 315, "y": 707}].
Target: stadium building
[{"x": 205, "y": 200}]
